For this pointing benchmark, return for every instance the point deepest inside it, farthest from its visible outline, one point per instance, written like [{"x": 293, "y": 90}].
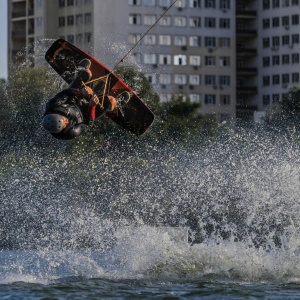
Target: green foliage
[
  {"x": 180, "y": 118},
  {"x": 141, "y": 85},
  {"x": 29, "y": 87},
  {"x": 286, "y": 114},
  {"x": 27, "y": 90}
]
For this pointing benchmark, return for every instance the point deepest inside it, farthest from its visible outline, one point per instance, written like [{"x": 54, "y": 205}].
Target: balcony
[
  {"x": 241, "y": 51},
  {"x": 246, "y": 33},
  {"x": 246, "y": 90},
  {"x": 19, "y": 33},
  {"x": 18, "y": 14},
  {"x": 246, "y": 71},
  {"x": 246, "y": 14}
]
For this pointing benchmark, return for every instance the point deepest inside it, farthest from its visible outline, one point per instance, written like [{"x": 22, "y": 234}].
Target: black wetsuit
[{"x": 69, "y": 103}]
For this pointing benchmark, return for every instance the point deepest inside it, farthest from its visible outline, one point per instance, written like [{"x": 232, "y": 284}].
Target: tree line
[{"x": 25, "y": 93}]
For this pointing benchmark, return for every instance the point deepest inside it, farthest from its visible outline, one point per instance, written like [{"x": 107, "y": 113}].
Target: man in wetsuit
[{"x": 73, "y": 111}]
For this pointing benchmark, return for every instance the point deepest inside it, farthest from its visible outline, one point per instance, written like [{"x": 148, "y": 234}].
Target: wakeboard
[{"x": 134, "y": 115}]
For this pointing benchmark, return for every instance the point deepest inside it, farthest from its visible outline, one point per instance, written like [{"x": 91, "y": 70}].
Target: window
[
  {"x": 134, "y": 38},
  {"x": 275, "y": 22},
  {"x": 70, "y": 38},
  {"x": 285, "y": 59},
  {"x": 295, "y": 38},
  {"x": 224, "y": 42},
  {"x": 210, "y": 99},
  {"x": 164, "y": 3},
  {"x": 224, "y": 23},
  {"x": 180, "y": 41},
  {"x": 61, "y": 3},
  {"x": 79, "y": 20},
  {"x": 87, "y": 38},
  {"x": 195, "y": 22},
  {"x": 150, "y": 39},
  {"x": 151, "y": 78},
  {"x": 195, "y": 41},
  {"x": 134, "y": 19},
  {"x": 210, "y": 80},
  {"x": 275, "y": 98},
  {"x": 195, "y": 60},
  {"x": 266, "y": 4},
  {"x": 210, "y": 61},
  {"x": 275, "y": 60},
  {"x": 224, "y": 80},
  {"x": 165, "y": 59},
  {"x": 149, "y": 2},
  {"x": 149, "y": 19},
  {"x": 295, "y": 77},
  {"x": 285, "y": 40},
  {"x": 70, "y": 2},
  {"x": 275, "y": 79},
  {"x": 285, "y": 78},
  {"x": 195, "y": 98},
  {"x": 295, "y": 19},
  {"x": 295, "y": 58},
  {"x": 266, "y": 42},
  {"x": 39, "y": 22},
  {"x": 266, "y": 99},
  {"x": 195, "y": 3},
  {"x": 134, "y": 2},
  {"x": 276, "y": 3},
  {"x": 194, "y": 79},
  {"x": 224, "y": 61},
  {"x": 224, "y": 4},
  {"x": 210, "y": 41},
  {"x": 285, "y": 3},
  {"x": 165, "y": 21},
  {"x": 285, "y": 21},
  {"x": 149, "y": 58},
  {"x": 225, "y": 99},
  {"x": 165, "y": 40},
  {"x": 165, "y": 79},
  {"x": 88, "y": 19},
  {"x": 180, "y": 21},
  {"x": 295, "y": 2},
  {"x": 266, "y": 23},
  {"x": 210, "y": 22},
  {"x": 39, "y": 4},
  {"x": 61, "y": 22},
  {"x": 275, "y": 41},
  {"x": 70, "y": 20},
  {"x": 266, "y": 61},
  {"x": 180, "y": 3},
  {"x": 266, "y": 80},
  {"x": 78, "y": 38},
  {"x": 180, "y": 60},
  {"x": 180, "y": 79},
  {"x": 210, "y": 3}
]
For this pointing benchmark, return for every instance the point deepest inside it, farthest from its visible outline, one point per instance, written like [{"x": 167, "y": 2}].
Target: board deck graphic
[{"x": 134, "y": 116}]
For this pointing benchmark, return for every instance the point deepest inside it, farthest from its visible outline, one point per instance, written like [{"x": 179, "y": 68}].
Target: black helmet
[{"x": 54, "y": 123}]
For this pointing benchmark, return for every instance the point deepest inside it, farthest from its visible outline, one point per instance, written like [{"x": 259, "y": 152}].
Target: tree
[{"x": 286, "y": 115}]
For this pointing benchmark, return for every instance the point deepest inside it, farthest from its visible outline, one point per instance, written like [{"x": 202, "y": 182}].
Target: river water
[{"x": 96, "y": 225}]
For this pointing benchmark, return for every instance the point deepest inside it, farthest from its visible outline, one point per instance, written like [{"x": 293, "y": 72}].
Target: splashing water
[
  {"x": 102, "y": 216},
  {"x": 106, "y": 212}
]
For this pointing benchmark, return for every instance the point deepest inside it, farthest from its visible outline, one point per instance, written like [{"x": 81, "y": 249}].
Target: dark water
[
  {"x": 96, "y": 226},
  {"x": 80, "y": 275}
]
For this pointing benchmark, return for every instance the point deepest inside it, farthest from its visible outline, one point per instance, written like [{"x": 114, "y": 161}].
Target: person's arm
[{"x": 61, "y": 97}]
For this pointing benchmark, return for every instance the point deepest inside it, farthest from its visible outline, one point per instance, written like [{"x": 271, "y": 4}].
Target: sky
[{"x": 3, "y": 39}]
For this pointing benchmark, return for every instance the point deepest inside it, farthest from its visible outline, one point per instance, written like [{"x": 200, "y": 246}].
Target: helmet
[{"x": 54, "y": 123}]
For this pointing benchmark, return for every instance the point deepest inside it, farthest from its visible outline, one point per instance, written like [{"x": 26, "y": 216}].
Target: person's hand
[{"x": 87, "y": 92}]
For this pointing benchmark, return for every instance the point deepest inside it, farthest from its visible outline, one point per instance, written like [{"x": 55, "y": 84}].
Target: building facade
[{"x": 234, "y": 57}]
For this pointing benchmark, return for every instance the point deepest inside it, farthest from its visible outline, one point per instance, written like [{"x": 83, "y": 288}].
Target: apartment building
[{"x": 236, "y": 58}]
